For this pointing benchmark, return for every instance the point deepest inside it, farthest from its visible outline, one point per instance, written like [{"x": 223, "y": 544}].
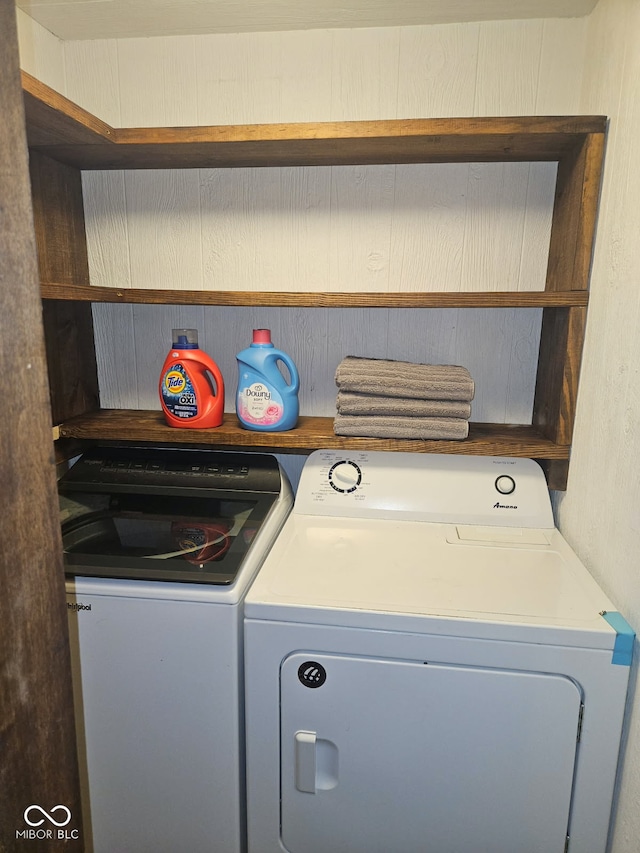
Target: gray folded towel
[
  {"x": 395, "y": 427},
  {"x": 349, "y": 403},
  {"x": 386, "y": 378}
]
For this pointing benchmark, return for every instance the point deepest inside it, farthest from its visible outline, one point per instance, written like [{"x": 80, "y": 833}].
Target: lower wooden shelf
[{"x": 117, "y": 425}]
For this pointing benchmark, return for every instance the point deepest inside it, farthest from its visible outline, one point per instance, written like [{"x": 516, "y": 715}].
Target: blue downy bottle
[{"x": 265, "y": 401}]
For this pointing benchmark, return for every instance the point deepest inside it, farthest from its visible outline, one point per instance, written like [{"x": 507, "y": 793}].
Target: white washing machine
[
  {"x": 429, "y": 667},
  {"x": 160, "y": 548}
]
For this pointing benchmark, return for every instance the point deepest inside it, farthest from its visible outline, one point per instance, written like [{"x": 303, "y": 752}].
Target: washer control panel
[{"x": 457, "y": 489}]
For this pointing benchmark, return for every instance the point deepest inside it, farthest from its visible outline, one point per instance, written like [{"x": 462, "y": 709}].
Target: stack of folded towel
[{"x": 379, "y": 398}]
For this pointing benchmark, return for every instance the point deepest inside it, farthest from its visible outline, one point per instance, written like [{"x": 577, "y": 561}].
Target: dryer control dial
[{"x": 345, "y": 476}]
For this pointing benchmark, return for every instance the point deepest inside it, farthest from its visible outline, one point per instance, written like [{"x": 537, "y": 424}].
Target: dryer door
[{"x": 403, "y": 756}]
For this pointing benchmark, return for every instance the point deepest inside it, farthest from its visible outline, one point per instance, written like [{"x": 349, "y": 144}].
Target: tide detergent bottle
[
  {"x": 191, "y": 386},
  {"x": 265, "y": 400}
]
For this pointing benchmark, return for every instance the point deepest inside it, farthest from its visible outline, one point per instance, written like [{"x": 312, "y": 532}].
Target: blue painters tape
[{"x": 625, "y": 636}]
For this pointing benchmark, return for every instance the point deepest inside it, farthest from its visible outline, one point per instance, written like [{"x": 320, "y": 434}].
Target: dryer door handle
[
  {"x": 316, "y": 763},
  {"x": 305, "y": 762}
]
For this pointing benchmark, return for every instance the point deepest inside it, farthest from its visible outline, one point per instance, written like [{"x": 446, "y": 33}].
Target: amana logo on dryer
[{"x": 498, "y": 505}]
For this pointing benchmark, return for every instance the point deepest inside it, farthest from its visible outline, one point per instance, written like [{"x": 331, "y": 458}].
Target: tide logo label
[{"x": 174, "y": 382}]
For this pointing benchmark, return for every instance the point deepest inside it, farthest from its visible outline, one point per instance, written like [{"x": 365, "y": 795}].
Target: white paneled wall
[
  {"x": 349, "y": 228},
  {"x": 41, "y": 53},
  {"x": 376, "y": 228},
  {"x": 600, "y": 512}
]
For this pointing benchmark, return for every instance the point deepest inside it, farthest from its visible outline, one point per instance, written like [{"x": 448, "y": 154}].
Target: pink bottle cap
[{"x": 262, "y": 336}]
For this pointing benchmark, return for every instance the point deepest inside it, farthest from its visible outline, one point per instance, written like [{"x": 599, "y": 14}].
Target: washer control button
[{"x": 505, "y": 484}]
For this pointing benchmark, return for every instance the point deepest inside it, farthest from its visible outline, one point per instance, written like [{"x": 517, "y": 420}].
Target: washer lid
[
  {"x": 160, "y": 537},
  {"x": 393, "y": 569},
  {"x": 158, "y": 514}
]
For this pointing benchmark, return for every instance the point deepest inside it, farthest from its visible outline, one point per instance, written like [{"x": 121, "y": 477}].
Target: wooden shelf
[
  {"x": 492, "y": 299},
  {"x": 64, "y": 139},
  {"x": 60, "y": 129},
  {"x": 311, "y": 433}
]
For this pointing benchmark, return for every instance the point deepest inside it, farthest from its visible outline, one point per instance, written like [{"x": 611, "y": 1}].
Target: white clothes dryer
[{"x": 429, "y": 667}]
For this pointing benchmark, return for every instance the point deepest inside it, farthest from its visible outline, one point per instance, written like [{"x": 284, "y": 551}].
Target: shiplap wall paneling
[
  {"x": 442, "y": 70},
  {"x": 106, "y": 223},
  {"x": 372, "y": 228},
  {"x": 239, "y": 78},
  {"x": 437, "y": 68},
  {"x": 536, "y": 225},
  {"x": 513, "y": 47},
  {"x": 361, "y": 212},
  {"x": 116, "y": 355},
  {"x": 93, "y": 78},
  {"x": 428, "y": 229},
  {"x": 265, "y": 229},
  {"x": 306, "y": 84},
  {"x": 364, "y": 74},
  {"x": 497, "y": 218},
  {"x": 562, "y": 66},
  {"x": 164, "y": 228},
  {"x": 157, "y": 82},
  {"x": 607, "y": 534}
]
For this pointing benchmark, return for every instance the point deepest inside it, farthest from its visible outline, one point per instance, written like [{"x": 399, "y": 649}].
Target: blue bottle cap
[{"x": 185, "y": 339}]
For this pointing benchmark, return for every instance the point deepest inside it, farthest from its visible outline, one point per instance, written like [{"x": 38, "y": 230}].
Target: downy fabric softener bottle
[{"x": 265, "y": 400}]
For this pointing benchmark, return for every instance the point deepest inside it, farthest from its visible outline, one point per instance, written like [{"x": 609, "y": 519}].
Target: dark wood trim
[
  {"x": 58, "y": 214},
  {"x": 561, "y": 343},
  {"x": 556, "y": 471},
  {"x": 574, "y": 216},
  {"x": 52, "y": 119},
  {"x": 71, "y": 359},
  {"x": 37, "y": 734}
]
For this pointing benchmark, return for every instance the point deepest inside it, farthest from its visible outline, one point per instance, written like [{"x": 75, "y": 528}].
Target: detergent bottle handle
[
  {"x": 294, "y": 384},
  {"x": 214, "y": 370}
]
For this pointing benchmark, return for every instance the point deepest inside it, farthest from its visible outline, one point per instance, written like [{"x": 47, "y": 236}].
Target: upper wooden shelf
[
  {"x": 64, "y": 131},
  {"x": 444, "y": 299}
]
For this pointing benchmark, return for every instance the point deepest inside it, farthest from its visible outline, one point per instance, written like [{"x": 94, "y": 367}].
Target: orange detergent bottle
[{"x": 191, "y": 386}]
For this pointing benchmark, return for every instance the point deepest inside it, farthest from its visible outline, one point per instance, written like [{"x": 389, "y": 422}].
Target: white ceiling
[{"x": 92, "y": 19}]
